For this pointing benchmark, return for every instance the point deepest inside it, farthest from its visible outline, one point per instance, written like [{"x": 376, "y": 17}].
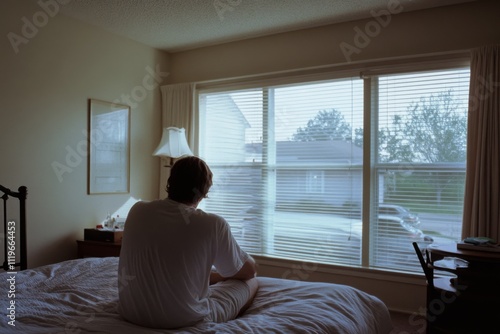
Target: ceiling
[{"x": 177, "y": 25}]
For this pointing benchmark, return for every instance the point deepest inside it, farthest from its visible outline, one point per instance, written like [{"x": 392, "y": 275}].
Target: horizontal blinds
[
  {"x": 421, "y": 154},
  {"x": 288, "y": 166},
  {"x": 287, "y": 163},
  {"x": 318, "y": 171}
]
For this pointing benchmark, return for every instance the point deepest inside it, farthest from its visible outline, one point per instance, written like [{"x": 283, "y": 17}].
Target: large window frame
[{"x": 370, "y": 169}]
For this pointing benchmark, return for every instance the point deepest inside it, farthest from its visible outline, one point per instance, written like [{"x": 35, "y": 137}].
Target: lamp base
[{"x": 170, "y": 162}]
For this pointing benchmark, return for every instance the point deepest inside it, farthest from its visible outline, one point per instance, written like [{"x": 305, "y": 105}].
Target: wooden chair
[
  {"x": 439, "y": 313},
  {"x": 425, "y": 264}
]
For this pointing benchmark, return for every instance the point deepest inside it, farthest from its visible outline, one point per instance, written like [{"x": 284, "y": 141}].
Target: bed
[
  {"x": 14, "y": 228},
  {"x": 80, "y": 296}
]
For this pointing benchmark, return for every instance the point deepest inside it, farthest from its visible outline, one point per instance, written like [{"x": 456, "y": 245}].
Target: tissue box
[{"x": 94, "y": 234}]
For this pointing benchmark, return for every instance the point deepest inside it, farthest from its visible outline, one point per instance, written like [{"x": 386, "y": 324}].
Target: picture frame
[{"x": 108, "y": 145}]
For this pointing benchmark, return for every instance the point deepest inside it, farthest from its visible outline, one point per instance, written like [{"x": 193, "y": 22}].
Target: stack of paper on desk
[{"x": 482, "y": 244}]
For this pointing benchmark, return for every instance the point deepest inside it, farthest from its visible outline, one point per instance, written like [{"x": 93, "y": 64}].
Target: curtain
[
  {"x": 482, "y": 186},
  {"x": 178, "y": 110}
]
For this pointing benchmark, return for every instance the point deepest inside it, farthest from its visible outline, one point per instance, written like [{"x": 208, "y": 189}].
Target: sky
[{"x": 295, "y": 105}]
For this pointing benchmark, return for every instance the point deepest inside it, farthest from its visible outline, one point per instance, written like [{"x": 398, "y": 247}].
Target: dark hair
[{"x": 190, "y": 180}]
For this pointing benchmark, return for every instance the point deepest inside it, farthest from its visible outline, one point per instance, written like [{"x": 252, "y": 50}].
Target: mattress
[{"x": 80, "y": 296}]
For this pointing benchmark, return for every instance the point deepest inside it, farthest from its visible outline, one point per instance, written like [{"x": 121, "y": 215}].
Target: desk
[
  {"x": 483, "y": 272},
  {"x": 469, "y": 303},
  {"x": 441, "y": 251}
]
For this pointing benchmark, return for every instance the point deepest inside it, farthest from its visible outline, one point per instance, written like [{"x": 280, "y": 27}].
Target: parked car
[
  {"x": 397, "y": 235},
  {"x": 399, "y": 211},
  {"x": 394, "y": 229}
]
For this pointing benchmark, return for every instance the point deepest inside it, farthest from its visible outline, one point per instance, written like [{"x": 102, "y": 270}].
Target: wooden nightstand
[{"x": 87, "y": 248}]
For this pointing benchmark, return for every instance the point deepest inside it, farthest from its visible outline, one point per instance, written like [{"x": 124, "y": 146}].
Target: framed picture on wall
[{"x": 108, "y": 147}]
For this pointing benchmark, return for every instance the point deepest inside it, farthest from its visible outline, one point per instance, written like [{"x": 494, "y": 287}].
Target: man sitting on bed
[{"x": 169, "y": 247}]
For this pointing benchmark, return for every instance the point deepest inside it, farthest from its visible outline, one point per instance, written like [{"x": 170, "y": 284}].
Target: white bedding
[{"x": 80, "y": 296}]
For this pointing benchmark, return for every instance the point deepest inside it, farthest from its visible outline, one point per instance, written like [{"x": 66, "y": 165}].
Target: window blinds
[
  {"x": 288, "y": 172},
  {"x": 289, "y": 167},
  {"x": 421, "y": 153}
]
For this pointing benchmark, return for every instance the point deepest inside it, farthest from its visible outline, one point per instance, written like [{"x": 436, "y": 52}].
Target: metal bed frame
[{"x": 20, "y": 229}]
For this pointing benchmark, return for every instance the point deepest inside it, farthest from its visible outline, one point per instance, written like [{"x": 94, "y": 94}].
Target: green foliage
[
  {"x": 433, "y": 197},
  {"x": 430, "y": 131},
  {"x": 326, "y": 125},
  {"x": 358, "y": 137}
]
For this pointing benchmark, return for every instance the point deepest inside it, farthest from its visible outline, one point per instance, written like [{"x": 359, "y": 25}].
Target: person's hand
[{"x": 215, "y": 277}]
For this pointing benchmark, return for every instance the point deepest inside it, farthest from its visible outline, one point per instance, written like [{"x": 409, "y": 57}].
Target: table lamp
[{"x": 173, "y": 144}]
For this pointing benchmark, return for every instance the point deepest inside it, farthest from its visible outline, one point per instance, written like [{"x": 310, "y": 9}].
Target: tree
[
  {"x": 431, "y": 131},
  {"x": 358, "y": 137},
  {"x": 326, "y": 125}
]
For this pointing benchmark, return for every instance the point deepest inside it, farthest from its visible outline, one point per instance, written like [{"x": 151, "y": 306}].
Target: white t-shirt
[{"x": 167, "y": 253}]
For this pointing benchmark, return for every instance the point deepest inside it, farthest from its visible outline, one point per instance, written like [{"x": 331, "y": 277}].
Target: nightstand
[{"x": 87, "y": 248}]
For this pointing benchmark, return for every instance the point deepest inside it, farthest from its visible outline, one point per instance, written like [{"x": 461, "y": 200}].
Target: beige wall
[
  {"x": 429, "y": 31},
  {"x": 436, "y": 30},
  {"x": 44, "y": 89}
]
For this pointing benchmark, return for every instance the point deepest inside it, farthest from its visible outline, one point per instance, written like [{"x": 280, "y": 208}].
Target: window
[
  {"x": 421, "y": 129},
  {"x": 315, "y": 182},
  {"x": 289, "y": 166}
]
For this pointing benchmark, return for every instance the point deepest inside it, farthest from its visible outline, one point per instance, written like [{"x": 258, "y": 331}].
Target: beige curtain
[
  {"x": 177, "y": 103},
  {"x": 482, "y": 188}
]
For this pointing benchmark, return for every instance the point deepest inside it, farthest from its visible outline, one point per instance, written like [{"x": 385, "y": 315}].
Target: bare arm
[{"x": 247, "y": 271}]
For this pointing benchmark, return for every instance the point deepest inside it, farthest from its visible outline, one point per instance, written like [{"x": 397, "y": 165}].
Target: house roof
[{"x": 335, "y": 151}]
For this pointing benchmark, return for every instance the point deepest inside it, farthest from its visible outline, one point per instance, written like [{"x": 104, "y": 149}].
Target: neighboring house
[
  {"x": 324, "y": 173},
  {"x": 234, "y": 127}
]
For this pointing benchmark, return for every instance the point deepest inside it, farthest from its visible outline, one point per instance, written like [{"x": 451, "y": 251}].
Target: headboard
[{"x": 14, "y": 235}]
